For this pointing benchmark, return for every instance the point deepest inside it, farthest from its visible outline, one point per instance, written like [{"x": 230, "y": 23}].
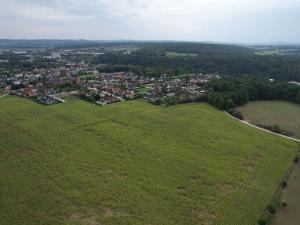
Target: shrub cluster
[
  {"x": 235, "y": 113},
  {"x": 227, "y": 93}
]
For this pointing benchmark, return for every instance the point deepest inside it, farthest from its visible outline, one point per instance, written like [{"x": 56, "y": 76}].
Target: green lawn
[
  {"x": 142, "y": 89},
  {"x": 134, "y": 163},
  {"x": 284, "y": 114}
]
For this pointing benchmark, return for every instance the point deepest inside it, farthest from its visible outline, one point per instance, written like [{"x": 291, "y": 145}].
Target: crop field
[
  {"x": 284, "y": 114},
  {"x": 134, "y": 163},
  {"x": 287, "y": 51},
  {"x": 179, "y": 54}
]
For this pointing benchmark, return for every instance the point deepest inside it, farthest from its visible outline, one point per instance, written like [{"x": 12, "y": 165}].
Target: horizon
[
  {"x": 229, "y": 21},
  {"x": 100, "y": 41}
]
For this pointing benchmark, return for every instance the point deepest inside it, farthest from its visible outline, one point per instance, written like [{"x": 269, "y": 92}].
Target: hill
[
  {"x": 134, "y": 163},
  {"x": 44, "y": 43}
]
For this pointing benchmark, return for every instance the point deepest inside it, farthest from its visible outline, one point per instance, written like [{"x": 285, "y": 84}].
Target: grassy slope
[
  {"x": 285, "y": 114},
  {"x": 134, "y": 163}
]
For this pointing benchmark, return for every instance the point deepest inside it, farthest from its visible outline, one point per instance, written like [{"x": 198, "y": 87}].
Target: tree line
[
  {"x": 229, "y": 92},
  {"x": 208, "y": 58}
]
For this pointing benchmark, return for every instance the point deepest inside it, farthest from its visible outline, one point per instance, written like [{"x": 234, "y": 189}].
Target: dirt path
[
  {"x": 251, "y": 125},
  {"x": 290, "y": 215},
  {"x": 2, "y": 96}
]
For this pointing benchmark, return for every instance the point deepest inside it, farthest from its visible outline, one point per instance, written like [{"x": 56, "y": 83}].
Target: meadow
[
  {"x": 134, "y": 163},
  {"x": 284, "y": 114},
  {"x": 180, "y": 54}
]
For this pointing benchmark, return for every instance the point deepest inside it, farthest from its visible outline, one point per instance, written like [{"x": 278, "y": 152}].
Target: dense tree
[
  {"x": 229, "y": 92},
  {"x": 298, "y": 97},
  {"x": 207, "y": 58}
]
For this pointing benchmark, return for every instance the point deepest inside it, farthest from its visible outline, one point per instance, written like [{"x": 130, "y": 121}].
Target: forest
[
  {"x": 230, "y": 60},
  {"x": 177, "y": 58},
  {"x": 229, "y": 92}
]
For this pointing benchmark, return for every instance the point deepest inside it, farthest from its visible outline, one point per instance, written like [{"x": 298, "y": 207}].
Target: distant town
[{"x": 72, "y": 71}]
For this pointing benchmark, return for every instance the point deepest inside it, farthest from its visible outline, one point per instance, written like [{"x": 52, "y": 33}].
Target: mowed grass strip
[
  {"x": 284, "y": 114},
  {"x": 134, "y": 163}
]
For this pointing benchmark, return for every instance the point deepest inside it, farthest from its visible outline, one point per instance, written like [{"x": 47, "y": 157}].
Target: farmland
[
  {"x": 134, "y": 163},
  {"x": 281, "y": 113},
  {"x": 179, "y": 54}
]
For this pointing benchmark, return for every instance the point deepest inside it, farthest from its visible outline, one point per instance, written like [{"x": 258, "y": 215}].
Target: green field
[
  {"x": 284, "y": 114},
  {"x": 286, "y": 51},
  {"x": 179, "y": 54},
  {"x": 143, "y": 89},
  {"x": 134, "y": 163}
]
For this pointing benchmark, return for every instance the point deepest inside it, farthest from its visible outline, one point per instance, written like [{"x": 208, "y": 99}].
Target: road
[
  {"x": 251, "y": 125},
  {"x": 290, "y": 215},
  {"x": 58, "y": 99},
  {"x": 2, "y": 96}
]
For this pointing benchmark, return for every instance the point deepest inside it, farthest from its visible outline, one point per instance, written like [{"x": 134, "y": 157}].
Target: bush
[
  {"x": 138, "y": 95},
  {"x": 271, "y": 209},
  {"x": 296, "y": 159},
  {"x": 157, "y": 101},
  {"x": 261, "y": 222},
  {"x": 97, "y": 97},
  {"x": 284, "y": 184},
  {"x": 235, "y": 113},
  {"x": 275, "y": 128},
  {"x": 171, "y": 101},
  {"x": 202, "y": 98},
  {"x": 283, "y": 204}
]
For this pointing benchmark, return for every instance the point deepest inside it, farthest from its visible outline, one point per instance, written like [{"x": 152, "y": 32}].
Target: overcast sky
[{"x": 248, "y": 21}]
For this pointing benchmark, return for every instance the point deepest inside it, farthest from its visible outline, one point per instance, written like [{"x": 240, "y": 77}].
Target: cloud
[
  {"x": 213, "y": 20},
  {"x": 35, "y": 10}
]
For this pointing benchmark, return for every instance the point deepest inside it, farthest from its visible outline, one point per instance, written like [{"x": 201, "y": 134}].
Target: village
[
  {"x": 70, "y": 71},
  {"x": 43, "y": 86}
]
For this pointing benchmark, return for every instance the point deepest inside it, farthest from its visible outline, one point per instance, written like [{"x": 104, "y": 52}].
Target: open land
[
  {"x": 179, "y": 54},
  {"x": 134, "y": 163},
  {"x": 284, "y": 114}
]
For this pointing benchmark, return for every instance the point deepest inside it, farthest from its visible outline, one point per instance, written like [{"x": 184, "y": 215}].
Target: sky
[{"x": 243, "y": 21}]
